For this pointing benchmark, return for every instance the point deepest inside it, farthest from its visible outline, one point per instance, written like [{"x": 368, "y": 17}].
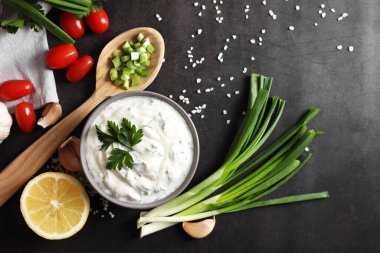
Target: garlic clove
[
  {"x": 50, "y": 115},
  {"x": 69, "y": 154},
  {"x": 5, "y": 122},
  {"x": 199, "y": 229}
]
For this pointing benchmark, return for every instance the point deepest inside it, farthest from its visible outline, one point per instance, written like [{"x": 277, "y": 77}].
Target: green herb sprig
[{"x": 127, "y": 135}]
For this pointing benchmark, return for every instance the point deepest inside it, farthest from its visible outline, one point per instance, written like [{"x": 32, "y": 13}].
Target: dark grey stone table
[{"x": 308, "y": 71}]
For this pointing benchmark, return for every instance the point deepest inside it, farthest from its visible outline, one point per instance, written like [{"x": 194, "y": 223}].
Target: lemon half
[{"x": 55, "y": 205}]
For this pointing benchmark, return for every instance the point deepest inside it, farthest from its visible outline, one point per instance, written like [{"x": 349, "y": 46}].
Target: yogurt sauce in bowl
[{"x": 162, "y": 160}]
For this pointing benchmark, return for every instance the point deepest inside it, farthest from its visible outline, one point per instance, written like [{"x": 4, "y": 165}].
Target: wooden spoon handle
[{"x": 33, "y": 158}]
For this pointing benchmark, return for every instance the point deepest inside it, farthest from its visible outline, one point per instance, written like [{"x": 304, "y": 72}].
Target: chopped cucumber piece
[
  {"x": 127, "y": 71},
  {"x": 134, "y": 56},
  {"x": 124, "y": 77},
  {"x": 136, "y": 80},
  {"x": 143, "y": 57},
  {"x": 137, "y": 45},
  {"x": 150, "y": 48},
  {"x": 145, "y": 63},
  {"x": 113, "y": 74},
  {"x": 126, "y": 84},
  {"x": 146, "y": 42},
  {"x": 144, "y": 73},
  {"x": 130, "y": 65},
  {"x": 126, "y": 45},
  {"x": 125, "y": 58},
  {"x": 116, "y": 62},
  {"x": 140, "y": 37},
  {"x": 141, "y": 50},
  {"x": 117, "y": 53}
]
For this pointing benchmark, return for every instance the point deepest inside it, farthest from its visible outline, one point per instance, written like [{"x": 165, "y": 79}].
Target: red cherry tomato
[
  {"x": 61, "y": 56},
  {"x": 97, "y": 21},
  {"x": 78, "y": 69},
  {"x": 25, "y": 117},
  {"x": 71, "y": 24},
  {"x": 15, "y": 89}
]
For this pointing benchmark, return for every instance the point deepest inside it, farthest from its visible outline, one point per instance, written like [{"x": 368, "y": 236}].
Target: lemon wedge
[{"x": 55, "y": 205}]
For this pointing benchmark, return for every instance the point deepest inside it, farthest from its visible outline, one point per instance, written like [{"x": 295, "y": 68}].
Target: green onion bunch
[{"x": 245, "y": 178}]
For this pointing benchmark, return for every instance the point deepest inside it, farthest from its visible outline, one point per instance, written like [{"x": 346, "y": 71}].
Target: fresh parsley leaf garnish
[
  {"x": 118, "y": 159},
  {"x": 127, "y": 135}
]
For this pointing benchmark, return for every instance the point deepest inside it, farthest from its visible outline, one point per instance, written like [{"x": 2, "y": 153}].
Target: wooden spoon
[{"x": 33, "y": 158}]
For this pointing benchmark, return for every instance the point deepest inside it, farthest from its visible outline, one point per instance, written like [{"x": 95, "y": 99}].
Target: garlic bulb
[{"x": 5, "y": 122}]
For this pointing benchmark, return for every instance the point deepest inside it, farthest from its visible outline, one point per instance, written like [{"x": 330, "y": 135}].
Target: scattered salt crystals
[
  {"x": 234, "y": 37},
  {"x": 220, "y": 57},
  {"x": 315, "y": 24},
  {"x": 260, "y": 39},
  {"x": 260, "y": 43},
  {"x": 228, "y": 121},
  {"x": 339, "y": 47},
  {"x": 198, "y": 91},
  {"x": 185, "y": 67},
  {"x": 245, "y": 70},
  {"x": 298, "y": 7},
  {"x": 224, "y": 112},
  {"x": 252, "y": 41},
  {"x": 342, "y": 16},
  {"x": 246, "y": 10},
  {"x": 332, "y": 10},
  {"x": 199, "y": 31},
  {"x": 350, "y": 48},
  {"x": 291, "y": 28},
  {"x": 264, "y": 2},
  {"x": 227, "y": 40},
  {"x": 222, "y": 85},
  {"x": 207, "y": 90},
  {"x": 184, "y": 99},
  {"x": 231, "y": 78},
  {"x": 323, "y": 15},
  {"x": 183, "y": 91},
  {"x": 237, "y": 92},
  {"x": 307, "y": 149},
  {"x": 271, "y": 13},
  {"x": 320, "y": 11},
  {"x": 225, "y": 47},
  {"x": 323, "y": 6},
  {"x": 170, "y": 96},
  {"x": 199, "y": 80},
  {"x": 202, "y": 116},
  {"x": 252, "y": 58},
  {"x": 263, "y": 31},
  {"x": 228, "y": 95},
  {"x": 200, "y": 14},
  {"x": 159, "y": 18},
  {"x": 203, "y": 7},
  {"x": 218, "y": 78},
  {"x": 196, "y": 4}
]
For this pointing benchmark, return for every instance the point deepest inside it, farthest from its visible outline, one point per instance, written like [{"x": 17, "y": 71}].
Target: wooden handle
[{"x": 17, "y": 173}]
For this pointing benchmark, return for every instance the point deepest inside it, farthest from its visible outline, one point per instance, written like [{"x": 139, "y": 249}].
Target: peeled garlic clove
[
  {"x": 199, "y": 229},
  {"x": 69, "y": 154},
  {"x": 50, "y": 115},
  {"x": 5, "y": 122}
]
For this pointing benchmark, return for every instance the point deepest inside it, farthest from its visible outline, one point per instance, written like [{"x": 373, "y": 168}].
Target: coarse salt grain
[
  {"x": 228, "y": 121},
  {"x": 231, "y": 78},
  {"x": 350, "y": 48},
  {"x": 291, "y": 28},
  {"x": 245, "y": 70},
  {"x": 224, "y": 112},
  {"x": 199, "y": 80},
  {"x": 339, "y": 47},
  {"x": 298, "y": 7}
]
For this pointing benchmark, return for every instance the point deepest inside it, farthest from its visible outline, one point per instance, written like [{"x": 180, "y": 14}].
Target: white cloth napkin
[{"x": 22, "y": 56}]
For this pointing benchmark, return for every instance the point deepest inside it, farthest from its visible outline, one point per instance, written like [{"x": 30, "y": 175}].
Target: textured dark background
[{"x": 307, "y": 70}]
